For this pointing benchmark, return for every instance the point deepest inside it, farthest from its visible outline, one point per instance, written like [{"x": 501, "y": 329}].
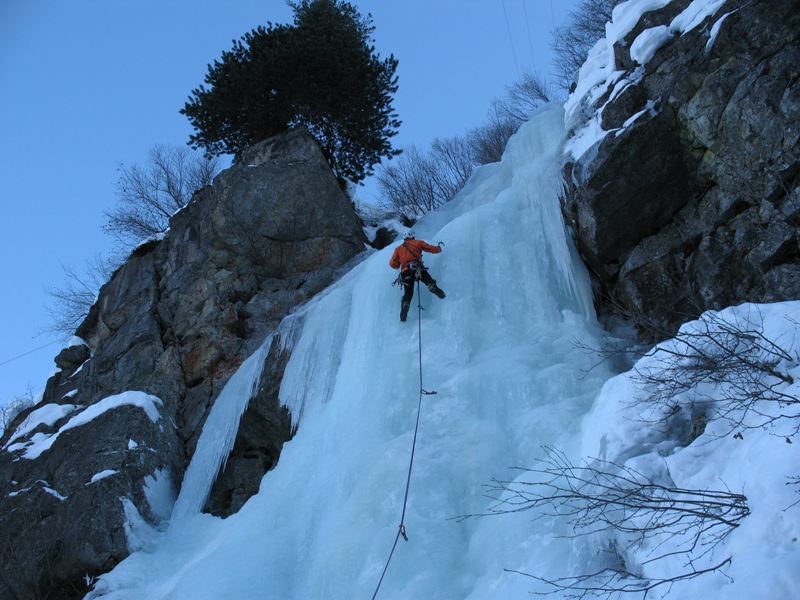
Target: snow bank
[{"x": 745, "y": 448}]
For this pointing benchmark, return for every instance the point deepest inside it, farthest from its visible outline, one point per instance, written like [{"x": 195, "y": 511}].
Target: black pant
[{"x": 409, "y": 281}]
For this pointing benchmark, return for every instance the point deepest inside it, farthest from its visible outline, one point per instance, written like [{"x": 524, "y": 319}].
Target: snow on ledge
[
  {"x": 45, "y": 488},
  {"x": 47, "y": 415},
  {"x": 102, "y": 475},
  {"x": 76, "y": 341},
  {"x": 599, "y": 73},
  {"x": 41, "y": 441}
]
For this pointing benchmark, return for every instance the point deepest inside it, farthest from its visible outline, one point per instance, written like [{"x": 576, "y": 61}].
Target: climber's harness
[
  {"x": 413, "y": 267},
  {"x": 410, "y": 272}
]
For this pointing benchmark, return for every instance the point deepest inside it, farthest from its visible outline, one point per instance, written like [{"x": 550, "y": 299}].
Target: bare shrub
[
  {"x": 149, "y": 195},
  {"x": 418, "y": 181},
  {"x": 522, "y": 98},
  {"x": 571, "y": 43},
  {"x": 72, "y": 301},
  {"x": 727, "y": 364},
  {"x": 488, "y": 142},
  {"x": 608, "y": 498}
]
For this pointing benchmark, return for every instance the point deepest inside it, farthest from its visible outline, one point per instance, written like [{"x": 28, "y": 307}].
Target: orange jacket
[{"x": 410, "y": 250}]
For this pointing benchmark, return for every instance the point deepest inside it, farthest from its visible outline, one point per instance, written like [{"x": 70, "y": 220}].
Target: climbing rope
[{"x": 422, "y": 392}]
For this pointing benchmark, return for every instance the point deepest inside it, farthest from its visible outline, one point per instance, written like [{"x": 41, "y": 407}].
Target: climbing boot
[
  {"x": 404, "y": 311},
  {"x": 435, "y": 290}
]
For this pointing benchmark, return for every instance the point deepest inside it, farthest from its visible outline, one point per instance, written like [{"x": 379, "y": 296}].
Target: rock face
[
  {"x": 695, "y": 205},
  {"x": 87, "y": 470}
]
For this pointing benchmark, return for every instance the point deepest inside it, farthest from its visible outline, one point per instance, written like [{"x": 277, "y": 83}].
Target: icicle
[{"x": 218, "y": 435}]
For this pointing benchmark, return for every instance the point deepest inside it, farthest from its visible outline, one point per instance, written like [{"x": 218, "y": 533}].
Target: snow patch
[
  {"x": 649, "y": 42},
  {"x": 45, "y": 487},
  {"x": 76, "y": 341},
  {"x": 52, "y": 492},
  {"x": 139, "y": 534},
  {"x": 712, "y": 35},
  {"x": 694, "y": 14}
]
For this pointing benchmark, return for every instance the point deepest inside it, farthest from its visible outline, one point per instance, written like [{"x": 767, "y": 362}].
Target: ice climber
[{"x": 408, "y": 258}]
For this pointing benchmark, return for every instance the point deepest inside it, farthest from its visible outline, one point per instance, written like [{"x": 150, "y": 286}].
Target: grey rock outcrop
[
  {"x": 170, "y": 328},
  {"x": 695, "y": 205}
]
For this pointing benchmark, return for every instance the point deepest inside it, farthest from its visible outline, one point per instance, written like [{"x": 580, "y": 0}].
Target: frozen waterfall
[{"x": 500, "y": 351}]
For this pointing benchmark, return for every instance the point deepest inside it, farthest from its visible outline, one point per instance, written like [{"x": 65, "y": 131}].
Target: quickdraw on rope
[{"x": 422, "y": 392}]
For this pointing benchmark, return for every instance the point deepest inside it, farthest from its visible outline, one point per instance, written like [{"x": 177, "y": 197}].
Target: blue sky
[{"x": 88, "y": 84}]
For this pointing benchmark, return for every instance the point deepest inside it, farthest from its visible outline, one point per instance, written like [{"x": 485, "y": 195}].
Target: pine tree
[{"x": 320, "y": 72}]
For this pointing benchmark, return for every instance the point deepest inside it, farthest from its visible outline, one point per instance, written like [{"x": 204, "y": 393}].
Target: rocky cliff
[
  {"x": 688, "y": 200},
  {"x": 108, "y": 444}
]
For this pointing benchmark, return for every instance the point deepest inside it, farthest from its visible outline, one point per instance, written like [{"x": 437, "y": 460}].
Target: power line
[
  {"x": 530, "y": 41},
  {"x": 510, "y": 39},
  {"x": 5, "y": 362}
]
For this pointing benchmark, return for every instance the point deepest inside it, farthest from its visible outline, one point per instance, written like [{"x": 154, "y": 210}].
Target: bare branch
[
  {"x": 749, "y": 373},
  {"x": 608, "y": 582},
  {"x": 149, "y": 195},
  {"x": 607, "y": 498},
  {"x": 72, "y": 301},
  {"x": 418, "y": 182},
  {"x": 522, "y": 98},
  {"x": 572, "y": 42}
]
